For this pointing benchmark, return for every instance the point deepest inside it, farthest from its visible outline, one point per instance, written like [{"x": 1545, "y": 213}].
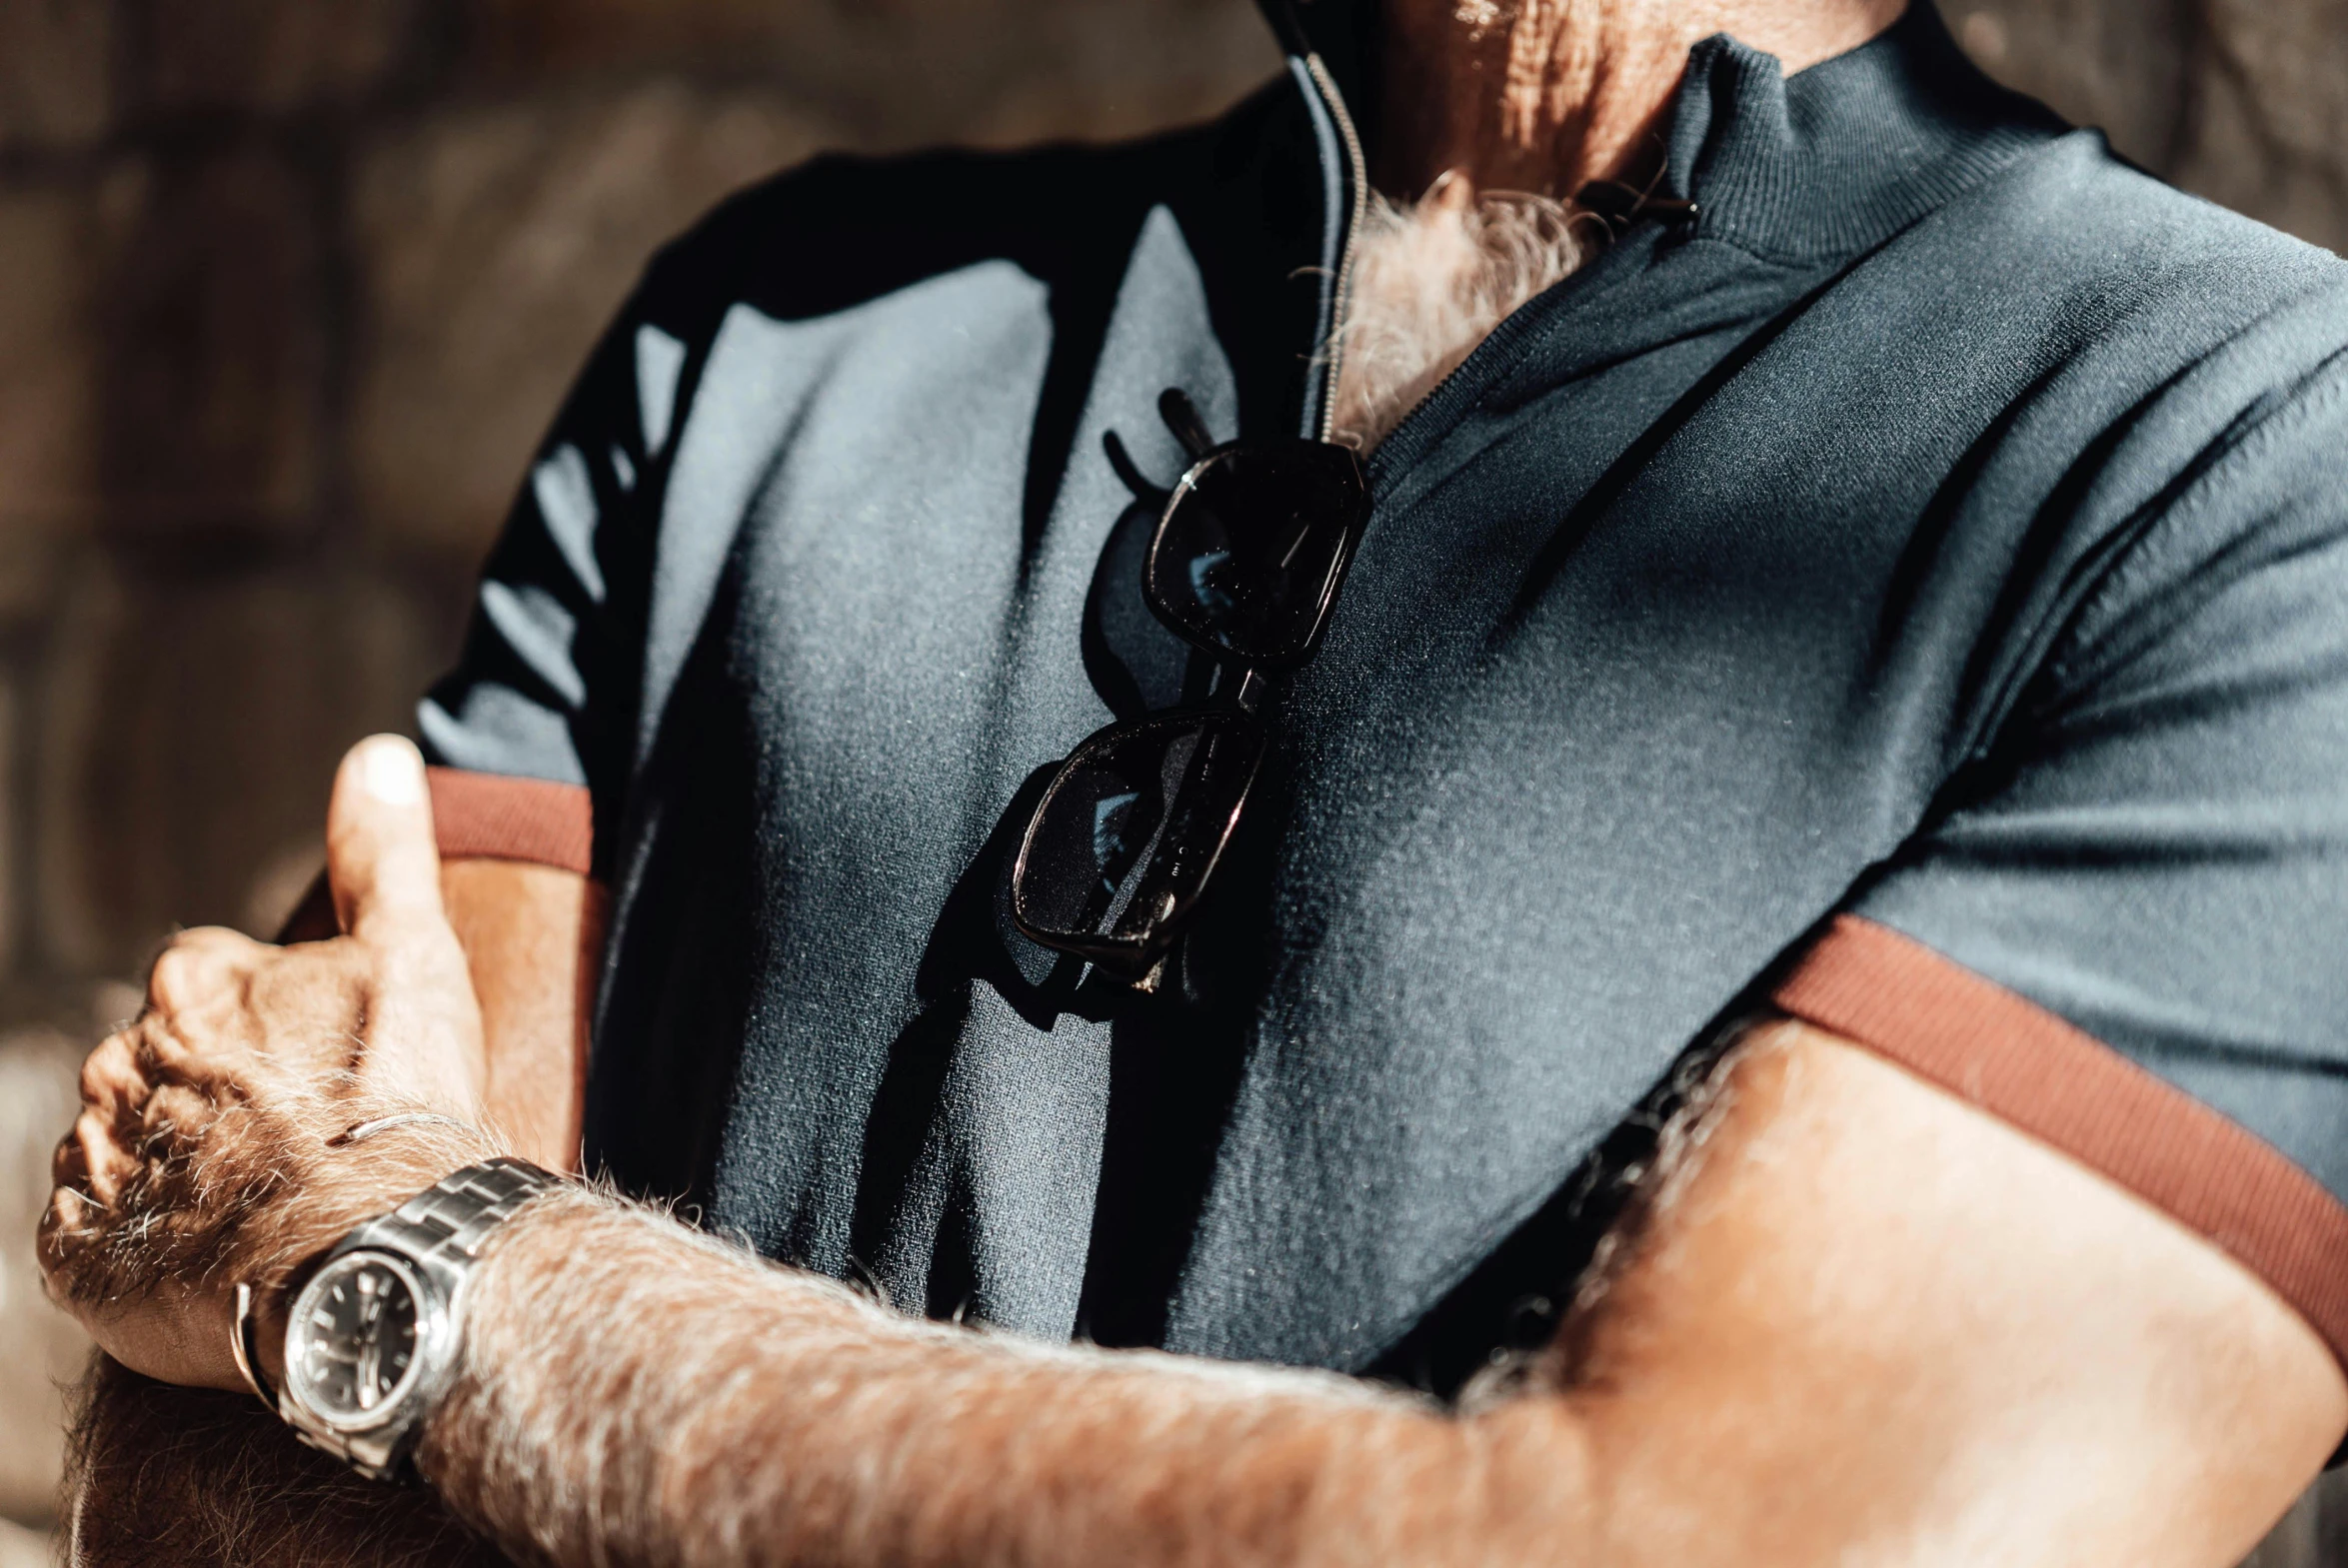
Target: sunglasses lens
[
  {"x": 1123, "y": 841},
  {"x": 1250, "y": 554}
]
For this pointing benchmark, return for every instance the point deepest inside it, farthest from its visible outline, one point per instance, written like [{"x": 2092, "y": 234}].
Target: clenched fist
[{"x": 209, "y": 1149}]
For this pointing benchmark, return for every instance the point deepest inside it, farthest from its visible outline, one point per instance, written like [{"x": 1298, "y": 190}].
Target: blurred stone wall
[{"x": 287, "y": 289}]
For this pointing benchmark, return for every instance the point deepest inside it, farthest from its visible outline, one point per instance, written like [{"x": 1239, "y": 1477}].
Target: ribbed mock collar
[
  {"x": 1821, "y": 164},
  {"x": 1842, "y": 155}
]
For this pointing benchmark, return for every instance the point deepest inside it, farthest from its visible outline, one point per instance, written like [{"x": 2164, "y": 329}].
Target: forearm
[
  {"x": 533, "y": 940},
  {"x": 1822, "y": 1337},
  {"x": 651, "y": 1397}
]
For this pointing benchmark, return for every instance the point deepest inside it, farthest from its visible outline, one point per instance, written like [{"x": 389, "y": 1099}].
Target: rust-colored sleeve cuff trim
[
  {"x": 494, "y": 817},
  {"x": 2039, "y": 1073}
]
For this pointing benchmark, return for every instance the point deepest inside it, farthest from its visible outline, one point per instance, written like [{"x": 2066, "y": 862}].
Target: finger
[
  {"x": 69, "y": 1162},
  {"x": 110, "y": 1074},
  {"x": 211, "y": 1043},
  {"x": 105, "y": 1166},
  {"x": 380, "y": 856},
  {"x": 90, "y": 1160},
  {"x": 423, "y": 1028},
  {"x": 200, "y": 966},
  {"x": 114, "y": 1086}
]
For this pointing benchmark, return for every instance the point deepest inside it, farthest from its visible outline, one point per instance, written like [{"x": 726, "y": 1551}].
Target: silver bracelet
[
  {"x": 242, "y": 1340},
  {"x": 360, "y": 1130},
  {"x": 242, "y": 1343}
]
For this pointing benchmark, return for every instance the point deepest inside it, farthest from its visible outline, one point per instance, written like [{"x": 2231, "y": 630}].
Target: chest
[{"x": 1638, "y": 668}]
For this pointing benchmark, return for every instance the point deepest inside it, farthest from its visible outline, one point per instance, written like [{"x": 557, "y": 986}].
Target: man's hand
[{"x": 202, "y": 1155}]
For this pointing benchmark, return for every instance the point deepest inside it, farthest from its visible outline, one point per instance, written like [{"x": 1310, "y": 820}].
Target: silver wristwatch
[{"x": 372, "y": 1340}]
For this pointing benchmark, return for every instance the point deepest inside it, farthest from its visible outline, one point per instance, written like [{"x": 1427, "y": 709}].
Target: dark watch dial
[{"x": 357, "y": 1332}]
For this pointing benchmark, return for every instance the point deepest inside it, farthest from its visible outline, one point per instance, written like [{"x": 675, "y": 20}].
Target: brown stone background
[{"x": 289, "y": 287}]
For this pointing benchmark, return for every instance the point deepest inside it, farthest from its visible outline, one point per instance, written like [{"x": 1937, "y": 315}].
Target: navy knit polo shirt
[{"x": 1911, "y": 593}]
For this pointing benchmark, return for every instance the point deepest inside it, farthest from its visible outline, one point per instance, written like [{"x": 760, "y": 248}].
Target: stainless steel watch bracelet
[
  {"x": 439, "y": 1232},
  {"x": 455, "y": 1215}
]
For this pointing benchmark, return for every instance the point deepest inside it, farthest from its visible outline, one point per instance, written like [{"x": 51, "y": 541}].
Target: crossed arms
[{"x": 1851, "y": 1320}]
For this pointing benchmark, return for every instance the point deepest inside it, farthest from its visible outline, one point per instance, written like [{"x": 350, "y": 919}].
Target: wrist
[
  {"x": 348, "y": 1186},
  {"x": 376, "y": 1331},
  {"x": 506, "y": 1296}
]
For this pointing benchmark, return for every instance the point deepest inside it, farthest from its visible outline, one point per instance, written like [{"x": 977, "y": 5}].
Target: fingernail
[{"x": 392, "y": 772}]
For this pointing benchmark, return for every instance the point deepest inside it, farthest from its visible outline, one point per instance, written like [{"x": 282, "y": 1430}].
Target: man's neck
[
  {"x": 1498, "y": 110},
  {"x": 1544, "y": 96}
]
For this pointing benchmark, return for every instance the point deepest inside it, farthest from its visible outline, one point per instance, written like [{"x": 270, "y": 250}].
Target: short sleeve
[
  {"x": 2124, "y": 926},
  {"x": 546, "y": 688}
]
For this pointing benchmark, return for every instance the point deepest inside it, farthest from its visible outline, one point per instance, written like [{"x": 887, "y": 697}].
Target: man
[{"x": 1857, "y": 671}]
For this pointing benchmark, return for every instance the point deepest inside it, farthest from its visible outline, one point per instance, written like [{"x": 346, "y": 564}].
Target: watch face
[{"x": 356, "y": 1340}]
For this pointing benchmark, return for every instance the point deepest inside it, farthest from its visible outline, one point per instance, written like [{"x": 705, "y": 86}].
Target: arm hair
[
  {"x": 196, "y": 1477},
  {"x": 1856, "y": 1320}
]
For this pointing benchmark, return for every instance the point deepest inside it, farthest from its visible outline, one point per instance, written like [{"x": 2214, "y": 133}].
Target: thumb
[
  {"x": 384, "y": 868},
  {"x": 381, "y": 858}
]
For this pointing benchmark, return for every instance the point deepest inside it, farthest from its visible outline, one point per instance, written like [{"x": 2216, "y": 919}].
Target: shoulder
[
  {"x": 843, "y": 229},
  {"x": 2105, "y": 338},
  {"x": 2098, "y": 248},
  {"x": 2184, "y": 414}
]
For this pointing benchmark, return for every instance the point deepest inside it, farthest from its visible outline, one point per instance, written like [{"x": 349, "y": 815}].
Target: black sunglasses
[{"x": 1247, "y": 562}]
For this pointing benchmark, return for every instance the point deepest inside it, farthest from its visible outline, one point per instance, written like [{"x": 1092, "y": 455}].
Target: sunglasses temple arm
[
  {"x": 1128, "y": 473},
  {"x": 1181, "y": 417}
]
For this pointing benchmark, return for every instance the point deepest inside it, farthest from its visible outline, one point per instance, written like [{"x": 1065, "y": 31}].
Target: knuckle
[
  {"x": 55, "y": 1241},
  {"x": 170, "y": 981},
  {"x": 68, "y": 1165},
  {"x": 103, "y": 1164},
  {"x": 194, "y": 1046},
  {"x": 111, "y": 1073},
  {"x": 68, "y": 1247},
  {"x": 68, "y": 1211},
  {"x": 163, "y": 1049},
  {"x": 197, "y": 965},
  {"x": 159, "y": 1054}
]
